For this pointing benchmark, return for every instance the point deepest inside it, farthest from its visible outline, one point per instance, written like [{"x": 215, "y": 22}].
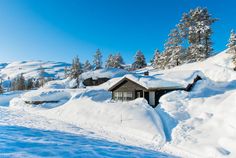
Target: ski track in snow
[{"x": 27, "y": 135}]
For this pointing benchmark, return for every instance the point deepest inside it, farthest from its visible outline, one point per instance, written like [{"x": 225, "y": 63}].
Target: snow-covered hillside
[
  {"x": 200, "y": 123},
  {"x": 31, "y": 69},
  {"x": 218, "y": 68}
]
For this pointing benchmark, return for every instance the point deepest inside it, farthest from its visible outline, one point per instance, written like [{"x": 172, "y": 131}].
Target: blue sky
[{"x": 57, "y": 30}]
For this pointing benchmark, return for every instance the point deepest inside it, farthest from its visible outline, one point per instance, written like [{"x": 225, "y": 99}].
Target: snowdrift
[
  {"x": 134, "y": 123},
  {"x": 203, "y": 121},
  {"x": 200, "y": 123},
  {"x": 127, "y": 122}
]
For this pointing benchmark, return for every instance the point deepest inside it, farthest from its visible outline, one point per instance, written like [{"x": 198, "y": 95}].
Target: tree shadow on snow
[{"x": 17, "y": 141}]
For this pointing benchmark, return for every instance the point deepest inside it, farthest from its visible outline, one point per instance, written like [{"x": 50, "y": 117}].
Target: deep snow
[
  {"x": 26, "y": 135},
  {"x": 200, "y": 123}
]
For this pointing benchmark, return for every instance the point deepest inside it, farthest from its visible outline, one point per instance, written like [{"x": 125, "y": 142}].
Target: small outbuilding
[{"x": 151, "y": 88}]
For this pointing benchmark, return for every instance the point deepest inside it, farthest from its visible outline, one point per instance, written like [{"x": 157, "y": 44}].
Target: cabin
[
  {"x": 95, "y": 82},
  {"x": 100, "y": 76},
  {"x": 151, "y": 88}
]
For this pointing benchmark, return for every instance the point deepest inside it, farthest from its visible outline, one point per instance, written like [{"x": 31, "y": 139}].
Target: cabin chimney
[{"x": 146, "y": 73}]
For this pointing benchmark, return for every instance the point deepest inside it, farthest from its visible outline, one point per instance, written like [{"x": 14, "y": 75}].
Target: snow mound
[
  {"x": 42, "y": 98},
  {"x": 134, "y": 120},
  {"x": 200, "y": 123},
  {"x": 46, "y": 95},
  {"x": 6, "y": 97},
  {"x": 135, "y": 123},
  {"x": 218, "y": 68},
  {"x": 204, "y": 119}
]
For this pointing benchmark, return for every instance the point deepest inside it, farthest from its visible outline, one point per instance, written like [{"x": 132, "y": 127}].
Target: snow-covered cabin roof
[
  {"x": 103, "y": 73},
  {"x": 164, "y": 80}
]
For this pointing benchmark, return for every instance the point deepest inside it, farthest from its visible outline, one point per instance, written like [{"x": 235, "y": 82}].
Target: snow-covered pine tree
[
  {"x": 140, "y": 61},
  {"x": 173, "y": 50},
  {"x": 41, "y": 79},
  {"x": 87, "y": 66},
  {"x": 195, "y": 26},
  {"x": 21, "y": 82},
  {"x": 18, "y": 83},
  {"x": 118, "y": 61},
  {"x": 232, "y": 42},
  {"x": 110, "y": 61},
  {"x": 36, "y": 83},
  {"x": 157, "y": 60},
  {"x": 1, "y": 86},
  {"x": 97, "y": 60},
  {"x": 75, "y": 70},
  {"x": 66, "y": 72},
  {"x": 29, "y": 84},
  {"x": 232, "y": 46}
]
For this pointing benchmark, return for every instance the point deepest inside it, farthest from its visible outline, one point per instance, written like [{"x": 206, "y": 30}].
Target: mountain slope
[{"x": 31, "y": 69}]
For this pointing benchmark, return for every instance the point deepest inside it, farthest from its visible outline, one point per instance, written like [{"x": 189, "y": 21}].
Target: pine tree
[
  {"x": 42, "y": 75},
  {"x": 157, "y": 60},
  {"x": 232, "y": 47},
  {"x": 232, "y": 42},
  {"x": 195, "y": 26},
  {"x": 87, "y": 66},
  {"x": 36, "y": 83},
  {"x": 18, "y": 83},
  {"x": 66, "y": 72},
  {"x": 118, "y": 61},
  {"x": 75, "y": 69},
  {"x": 173, "y": 50},
  {"x": 140, "y": 61},
  {"x": 97, "y": 60},
  {"x": 110, "y": 61},
  {"x": 29, "y": 84},
  {"x": 21, "y": 82},
  {"x": 1, "y": 86}
]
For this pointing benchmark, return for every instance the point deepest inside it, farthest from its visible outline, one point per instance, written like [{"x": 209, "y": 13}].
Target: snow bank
[
  {"x": 46, "y": 95},
  {"x": 6, "y": 97},
  {"x": 133, "y": 122},
  {"x": 218, "y": 68},
  {"x": 205, "y": 122},
  {"x": 42, "y": 98},
  {"x": 200, "y": 123}
]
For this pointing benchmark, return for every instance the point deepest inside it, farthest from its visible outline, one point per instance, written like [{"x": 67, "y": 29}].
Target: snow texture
[{"x": 200, "y": 123}]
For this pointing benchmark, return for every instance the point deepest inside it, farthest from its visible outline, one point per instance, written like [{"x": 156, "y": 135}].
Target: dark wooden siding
[
  {"x": 91, "y": 82},
  {"x": 128, "y": 86}
]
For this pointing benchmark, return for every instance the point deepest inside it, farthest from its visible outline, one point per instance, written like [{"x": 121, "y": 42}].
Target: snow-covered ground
[
  {"x": 26, "y": 135},
  {"x": 200, "y": 123},
  {"x": 31, "y": 69}
]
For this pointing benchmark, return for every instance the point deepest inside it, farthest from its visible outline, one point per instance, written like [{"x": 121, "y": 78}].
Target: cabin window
[
  {"x": 127, "y": 95},
  {"x": 117, "y": 95},
  {"x": 123, "y": 96}
]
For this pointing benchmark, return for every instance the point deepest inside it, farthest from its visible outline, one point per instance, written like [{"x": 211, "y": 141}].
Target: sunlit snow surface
[
  {"x": 200, "y": 123},
  {"x": 25, "y": 135}
]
